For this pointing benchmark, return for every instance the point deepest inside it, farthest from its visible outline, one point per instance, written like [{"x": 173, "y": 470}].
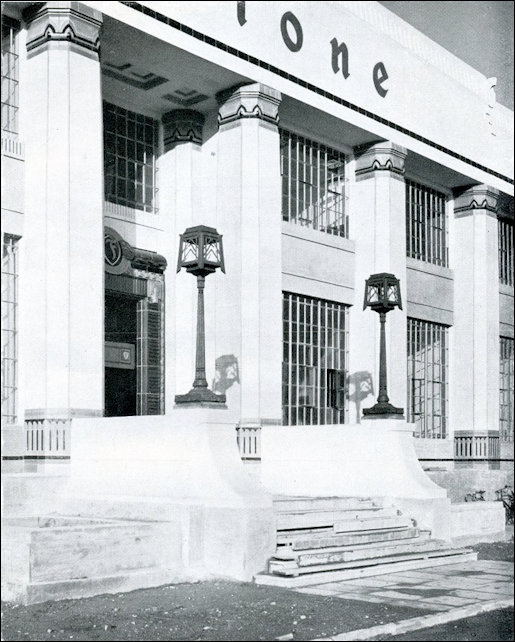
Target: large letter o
[{"x": 288, "y": 17}]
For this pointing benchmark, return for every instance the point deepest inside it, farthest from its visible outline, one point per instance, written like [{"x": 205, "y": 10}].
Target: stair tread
[
  {"x": 304, "y": 535},
  {"x": 290, "y": 570},
  {"x": 339, "y": 575},
  {"x": 290, "y": 553}
]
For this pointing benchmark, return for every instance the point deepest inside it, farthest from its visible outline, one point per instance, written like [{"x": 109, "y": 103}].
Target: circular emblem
[{"x": 112, "y": 250}]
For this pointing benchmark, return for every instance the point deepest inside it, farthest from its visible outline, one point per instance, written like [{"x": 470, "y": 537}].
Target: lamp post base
[
  {"x": 201, "y": 397},
  {"x": 382, "y": 409}
]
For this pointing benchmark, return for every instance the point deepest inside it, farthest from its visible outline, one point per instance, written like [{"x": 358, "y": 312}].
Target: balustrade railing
[
  {"x": 47, "y": 439},
  {"x": 476, "y": 446},
  {"x": 249, "y": 442}
]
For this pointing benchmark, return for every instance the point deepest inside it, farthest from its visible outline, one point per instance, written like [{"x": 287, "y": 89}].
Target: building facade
[{"x": 321, "y": 160}]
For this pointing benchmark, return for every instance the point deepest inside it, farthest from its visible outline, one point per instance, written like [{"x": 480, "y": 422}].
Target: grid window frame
[
  {"x": 10, "y": 76},
  {"x": 428, "y": 377},
  {"x": 315, "y": 353},
  {"x": 506, "y": 388},
  {"x": 131, "y": 145},
  {"x": 506, "y": 264},
  {"x": 313, "y": 178},
  {"x": 10, "y": 274},
  {"x": 426, "y": 224}
]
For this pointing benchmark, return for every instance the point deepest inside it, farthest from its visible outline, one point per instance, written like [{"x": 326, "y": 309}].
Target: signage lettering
[
  {"x": 293, "y": 45},
  {"x": 339, "y": 51},
  {"x": 241, "y": 13},
  {"x": 380, "y": 76}
]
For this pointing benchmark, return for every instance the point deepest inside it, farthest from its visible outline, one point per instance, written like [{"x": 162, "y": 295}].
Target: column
[
  {"x": 475, "y": 351},
  {"x": 61, "y": 280},
  {"x": 180, "y": 198},
  {"x": 249, "y": 296},
  {"x": 378, "y": 211}
]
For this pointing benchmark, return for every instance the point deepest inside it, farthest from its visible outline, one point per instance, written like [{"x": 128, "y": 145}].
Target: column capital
[
  {"x": 68, "y": 22},
  {"x": 249, "y": 101},
  {"x": 477, "y": 197},
  {"x": 182, "y": 126},
  {"x": 383, "y": 156}
]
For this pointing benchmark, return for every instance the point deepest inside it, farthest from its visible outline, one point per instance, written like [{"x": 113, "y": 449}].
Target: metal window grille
[
  {"x": 314, "y": 358},
  {"x": 10, "y": 76},
  {"x": 9, "y": 329},
  {"x": 506, "y": 389},
  {"x": 426, "y": 224},
  {"x": 427, "y": 378},
  {"x": 130, "y": 155},
  {"x": 505, "y": 230},
  {"x": 313, "y": 185}
]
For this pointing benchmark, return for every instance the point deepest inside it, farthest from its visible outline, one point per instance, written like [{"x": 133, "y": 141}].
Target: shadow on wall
[
  {"x": 359, "y": 386},
  {"x": 227, "y": 373}
]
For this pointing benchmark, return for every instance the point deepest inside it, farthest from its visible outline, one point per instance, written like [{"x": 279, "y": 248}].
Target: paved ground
[{"x": 371, "y": 608}]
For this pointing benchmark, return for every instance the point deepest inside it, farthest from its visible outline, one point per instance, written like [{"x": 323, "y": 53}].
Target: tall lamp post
[
  {"x": 382, "y": 294},
  {"x": 201, "y": 253}
]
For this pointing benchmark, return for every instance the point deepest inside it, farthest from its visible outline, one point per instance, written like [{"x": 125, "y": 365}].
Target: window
[
  {"x": 427, "y": 378},
  {"x": 9, "y": 75},
  {"x": 506, "y": 389},
  {"x": 313, "y": 185},
  {"x": 130, "y": 152},
  {"x": 314, "y": 357},
  {"x": 505, "y": 230},
  {"x": 426, "y": 225},
  {"x": 9, "y": 329}
]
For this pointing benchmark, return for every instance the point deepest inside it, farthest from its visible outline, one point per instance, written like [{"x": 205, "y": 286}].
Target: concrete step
[
  {"x": 296, "y": 504},
  {"x": 299, "y": 540},
  {"x": 278, "y": 567},
  {"x": 328, "y": 517},
  {"x": 349, "y": 573},
  {"x": 366, "y": 550},
  {"x": 343, "y": 555}
]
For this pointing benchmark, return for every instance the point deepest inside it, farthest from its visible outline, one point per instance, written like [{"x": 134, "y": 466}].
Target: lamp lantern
[
  {"x": 201, "y": 253},
  {"x": 382, "y": 294}
]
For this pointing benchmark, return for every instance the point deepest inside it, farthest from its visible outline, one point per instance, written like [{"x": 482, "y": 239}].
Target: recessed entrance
[{"x": 120, "y": 355}]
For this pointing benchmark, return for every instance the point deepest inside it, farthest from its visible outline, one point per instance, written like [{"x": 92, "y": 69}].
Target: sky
[{"x": 480, "y": 33}]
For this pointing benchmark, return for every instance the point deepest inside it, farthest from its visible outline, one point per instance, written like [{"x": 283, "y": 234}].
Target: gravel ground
[{"x": 216, "y": 610}]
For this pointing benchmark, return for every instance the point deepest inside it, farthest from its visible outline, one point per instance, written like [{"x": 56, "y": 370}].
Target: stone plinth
[{"x": 373, "y": 459}]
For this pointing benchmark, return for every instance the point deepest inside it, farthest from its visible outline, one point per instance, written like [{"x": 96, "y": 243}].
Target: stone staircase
[{"x": 328, "y": 539}]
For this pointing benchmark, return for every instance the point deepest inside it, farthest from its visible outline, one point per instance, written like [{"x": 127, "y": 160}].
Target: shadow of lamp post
[
  {"x": 201, "y": 253},
  {"x": 382, "y": 294}
]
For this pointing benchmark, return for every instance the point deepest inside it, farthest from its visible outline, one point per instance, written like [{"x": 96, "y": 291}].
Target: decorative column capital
[
  {"x": 383, "y": 156},
  {"x": 478, "y": 197},
  {"x": 182, "y": 126},
  {"x": 249, "y": 101},
  {"x": 68, "y": 22}
]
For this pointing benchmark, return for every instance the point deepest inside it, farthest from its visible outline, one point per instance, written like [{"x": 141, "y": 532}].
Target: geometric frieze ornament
[
  {"x": 133, "y": 76},
  {"x": 182, "y": 126},
  {"x": 185, "y": 97},
  {"x": 249, "y": 101},
  {"x": 384, "y": 156},
  {"x": 477, "y": 197},
  {"x": 63, "y": 22}
]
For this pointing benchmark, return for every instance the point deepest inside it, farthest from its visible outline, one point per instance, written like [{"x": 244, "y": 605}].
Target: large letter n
[{"x": 338, "y": 50}]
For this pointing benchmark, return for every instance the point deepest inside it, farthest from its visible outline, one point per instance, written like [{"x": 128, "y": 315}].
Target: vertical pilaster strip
[
  {"x": 62, "y": 289},
  {"x": 475, "y": 385},
  {"x": 249, "y": 299},
  {"x": 180, "y": 197},
  {"x": 378, "y": 224}
]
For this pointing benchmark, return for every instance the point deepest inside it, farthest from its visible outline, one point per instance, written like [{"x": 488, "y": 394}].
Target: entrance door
[{"x": 120, "y": 355}]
